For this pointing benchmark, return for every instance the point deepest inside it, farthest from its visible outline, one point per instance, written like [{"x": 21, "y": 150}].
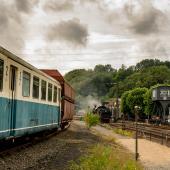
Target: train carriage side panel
[
  {"x": 68, "y": 110},
  {"x": 67, "y": 90},
  {"x": 73, "y": 94},
  {"x": 4, "y": 100},
  {"x": 68, "y": 95},
  {"x": 23, "y": 115},
  {"x": 34, "y": 115}
]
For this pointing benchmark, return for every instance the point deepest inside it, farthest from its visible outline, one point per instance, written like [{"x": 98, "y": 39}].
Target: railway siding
[
  {"x": 153, "y": 133},
  {"x": 151, "y": 154}
]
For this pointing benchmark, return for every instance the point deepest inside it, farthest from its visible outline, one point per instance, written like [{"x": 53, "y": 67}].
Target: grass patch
[
  {"x": 123, "y": 132},
  {"x": 103, "y": 157},
  {"x": 91, "y": 120}
]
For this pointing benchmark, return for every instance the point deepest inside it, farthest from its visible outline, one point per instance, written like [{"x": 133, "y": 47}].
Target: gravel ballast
[{"x": 53, "y": 153}]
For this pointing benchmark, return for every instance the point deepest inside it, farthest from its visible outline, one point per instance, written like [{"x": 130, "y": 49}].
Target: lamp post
[{"x": 136, "y": 108}]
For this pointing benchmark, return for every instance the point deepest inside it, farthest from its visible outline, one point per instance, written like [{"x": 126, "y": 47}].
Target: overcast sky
[{"x": 71, "y": 34}]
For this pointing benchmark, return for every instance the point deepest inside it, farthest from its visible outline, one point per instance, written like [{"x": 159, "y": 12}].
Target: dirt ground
[
  {"x": 52, "y": 154},
  {"x": 153, "y": 156}
]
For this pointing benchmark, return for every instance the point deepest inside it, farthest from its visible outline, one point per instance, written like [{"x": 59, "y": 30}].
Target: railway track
[
  {"x": 7, "y": 146},
  {"x": 153, "y": 133}
]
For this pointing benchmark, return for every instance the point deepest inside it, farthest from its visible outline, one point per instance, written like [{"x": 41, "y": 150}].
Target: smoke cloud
[
  {"x": 71, "y": 31},
  {"x": 88, "y": 102}
]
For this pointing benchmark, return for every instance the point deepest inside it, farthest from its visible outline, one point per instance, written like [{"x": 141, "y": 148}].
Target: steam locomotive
[{"x": 104, "y": 113}]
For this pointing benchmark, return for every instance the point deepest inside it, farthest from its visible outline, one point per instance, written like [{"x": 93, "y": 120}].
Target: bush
[{"x": 91, "y": 120}]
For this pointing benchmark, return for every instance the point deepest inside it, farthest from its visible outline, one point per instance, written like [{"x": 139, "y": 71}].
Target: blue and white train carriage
[{"x": 29, "y": 99}]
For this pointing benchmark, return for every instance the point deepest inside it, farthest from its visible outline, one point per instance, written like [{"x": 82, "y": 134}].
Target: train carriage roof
[
  {"x": 57, "y": 75},
  {"x": 24, "y": 63}
]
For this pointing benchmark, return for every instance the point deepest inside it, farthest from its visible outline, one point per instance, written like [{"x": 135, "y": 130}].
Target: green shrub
[
  {"x": 105, "y": 158},
  {"x": 91, "y": 119}
]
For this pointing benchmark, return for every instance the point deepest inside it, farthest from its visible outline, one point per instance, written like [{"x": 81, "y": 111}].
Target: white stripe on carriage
[{"x": 3, "y": 131}]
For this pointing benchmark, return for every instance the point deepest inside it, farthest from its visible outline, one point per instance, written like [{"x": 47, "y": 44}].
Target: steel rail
[{"x": 148, "y": 132}]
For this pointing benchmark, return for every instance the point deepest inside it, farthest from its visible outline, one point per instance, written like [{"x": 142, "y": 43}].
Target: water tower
[{"x": 161, "y": 94}]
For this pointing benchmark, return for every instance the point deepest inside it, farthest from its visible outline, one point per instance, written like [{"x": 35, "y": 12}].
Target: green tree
[
  {"x": 147, "y": 63},
  {"x": 101, "y": 81},
  {"x": 136, "y": 97},
  {"x": 149, "y": 105},
  {"x": 124, "y": 105},
  {"x": 104, "y": 68}
]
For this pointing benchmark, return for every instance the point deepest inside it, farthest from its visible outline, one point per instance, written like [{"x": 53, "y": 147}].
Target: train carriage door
[{"x": 12, "y": 89}]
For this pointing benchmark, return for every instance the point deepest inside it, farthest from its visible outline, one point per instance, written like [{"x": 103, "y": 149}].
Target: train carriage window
[
  {"x": 50, "y": 86},
  {"x": 35, "y": 93},
  {"x": 1, "y": 74},
  {"x": 43, "y": 89},
  {"x": 55, "y": 95},
  {"x": 26, "y": 79}
]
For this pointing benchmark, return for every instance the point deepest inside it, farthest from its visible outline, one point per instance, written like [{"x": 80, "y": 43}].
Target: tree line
[{"x": 105, "y": 82}]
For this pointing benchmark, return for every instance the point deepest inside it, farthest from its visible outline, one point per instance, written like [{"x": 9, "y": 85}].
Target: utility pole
[{"x": 136, "y": 109}]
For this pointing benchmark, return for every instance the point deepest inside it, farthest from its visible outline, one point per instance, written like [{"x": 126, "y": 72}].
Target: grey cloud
[
  {"x": 70, "y": 31},
  {"x": 145, "y": 20},
  {"x": 8, "y": 15},
  {"x": 155, "y": 48},
  {"x": 3, "y": 20},
  {"x": 11, "y": 27},
  {"x": 25, "y": 6},
  {"x": 89, "y": 1},
  {"x": 98, "y": 4},
  {"x": 68, "y": 5},
  {"x": 58, "y": 6}
]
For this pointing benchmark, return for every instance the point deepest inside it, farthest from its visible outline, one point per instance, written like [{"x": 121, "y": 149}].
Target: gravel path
[
  {"x": 54, "y": 153},
  {"x": 152, "y": 155}
]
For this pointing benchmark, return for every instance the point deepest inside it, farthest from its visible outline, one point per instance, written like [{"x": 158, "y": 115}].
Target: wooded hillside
[{"x": 104, "y": 82}]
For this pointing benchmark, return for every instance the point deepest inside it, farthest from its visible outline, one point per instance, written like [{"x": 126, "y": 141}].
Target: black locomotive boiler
[{"x": 104, "y": 113}]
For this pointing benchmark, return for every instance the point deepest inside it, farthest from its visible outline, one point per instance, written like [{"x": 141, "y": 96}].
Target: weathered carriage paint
[
  {"x": 34, "y": 114},
  {"x": 29, "y": 117}
]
